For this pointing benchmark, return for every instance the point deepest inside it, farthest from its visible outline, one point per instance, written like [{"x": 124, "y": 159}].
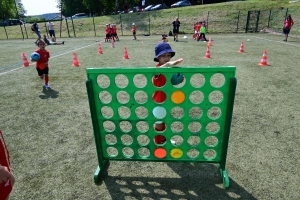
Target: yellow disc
[
  {"x": 176, "y": 153},
  {"x": 177, "y": 97}
]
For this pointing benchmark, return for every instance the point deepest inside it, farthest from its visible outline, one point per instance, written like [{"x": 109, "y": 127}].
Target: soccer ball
[
  {"x": 185, "y": 37},
  {"x": 35, "y": 56}
]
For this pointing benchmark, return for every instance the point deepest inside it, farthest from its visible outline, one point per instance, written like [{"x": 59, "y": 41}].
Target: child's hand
[
  {"x": 172, "y": 63},
  {"x": 5, "y": 175}
]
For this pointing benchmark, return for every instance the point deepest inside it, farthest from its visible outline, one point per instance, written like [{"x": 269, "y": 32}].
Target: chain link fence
[{"x": 156, "y": 23}]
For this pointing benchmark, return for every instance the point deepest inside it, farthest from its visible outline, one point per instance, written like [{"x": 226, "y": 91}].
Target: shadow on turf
[
  {"x": 197, "y": 181},
  {"x": 49, "y": 93}
]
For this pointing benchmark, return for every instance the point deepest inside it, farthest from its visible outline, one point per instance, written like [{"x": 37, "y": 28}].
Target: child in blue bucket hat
[{"x": 163, "y": 55}]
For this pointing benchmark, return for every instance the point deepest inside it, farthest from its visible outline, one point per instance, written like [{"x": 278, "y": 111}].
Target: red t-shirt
[
  {"x": 133, "y": 29},
  {"x": 44, "y": 57},
  {"x": 107, "y": 30},
  {"x": 5, "y": 188},
  {"x": 113, "y": 30},
  {"x": 288, "y": 23},
  {"x": 197, "y": 27}
]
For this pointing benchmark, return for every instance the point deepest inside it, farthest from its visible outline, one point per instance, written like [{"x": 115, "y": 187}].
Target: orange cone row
[{"x": 263, "y": 61}]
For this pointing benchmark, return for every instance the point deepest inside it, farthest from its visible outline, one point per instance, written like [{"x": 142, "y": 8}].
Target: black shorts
[
  {"x": 108, "y": 35},
  {"x": 134, "y": 33},
  {"x": 51, "y": 32},
  {"x": 286, "y": 30},
  {"x": 175, "y": 30},
  {"x": 41, "y": 72}
]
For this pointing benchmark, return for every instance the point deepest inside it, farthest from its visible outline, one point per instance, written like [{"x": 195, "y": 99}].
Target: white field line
[
  {"x": 50, "y": 58},
  {"x": 282, "y": 42}
]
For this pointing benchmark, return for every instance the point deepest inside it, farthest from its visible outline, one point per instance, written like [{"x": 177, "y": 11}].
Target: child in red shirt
[
  {"x": 107, "y": 32},
  {"x": 133, "y": 29},
  {"x": 42, "y": 64},
  {"x": 114, "y": 34},
  {"x": 196, "y": 30},
  {"x": 163, "y": 55},
  {"x": 7, "y": 179},
  {"x": 288, "y": 23}
]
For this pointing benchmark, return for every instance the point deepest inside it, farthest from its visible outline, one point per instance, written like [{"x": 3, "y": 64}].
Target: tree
[
  {"x": 7, "y": 9},
  {"x": 21, "y": 9}
]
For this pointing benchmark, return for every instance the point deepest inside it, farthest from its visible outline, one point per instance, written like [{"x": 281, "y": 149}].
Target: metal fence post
[
  {"x": 287, "y": 10},
  {"x": 60, "y": 19},
  {"x": 257, "y": 20},
  {"x": 68, "y": 27},
  {"x": 237, "y": 24},
  {"x": 25, "y": 30},
  {"x": 94, "y": 25},
  {"x": 269, "y": 18},
  {"x": 73, "y": 27},
  {"x": 207, "y": 20},
  {"x": 121, "y": 24},
  {"x": 5, "y": 32},
  {"x": 247, "y": 23}
]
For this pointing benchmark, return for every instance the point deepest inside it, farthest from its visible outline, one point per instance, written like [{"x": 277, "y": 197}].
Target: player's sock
[{"x": 46, "y": 80}]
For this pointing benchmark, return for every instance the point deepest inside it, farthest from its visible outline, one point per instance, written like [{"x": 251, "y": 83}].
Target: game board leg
[
  {"x": 101, "y": 172},
  {"x": 225, "y": 177}
]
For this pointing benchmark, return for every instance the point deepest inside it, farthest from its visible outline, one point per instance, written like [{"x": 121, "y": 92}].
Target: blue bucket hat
[{"x": 162, "y": 48}]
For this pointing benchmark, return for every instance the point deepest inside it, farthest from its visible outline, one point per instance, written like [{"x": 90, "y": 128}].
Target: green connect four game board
[{"x": 136, "y": 119}]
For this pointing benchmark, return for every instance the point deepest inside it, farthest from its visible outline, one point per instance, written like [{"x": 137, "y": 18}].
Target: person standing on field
[
  {"x": 288, "y": 23},
  {"x": 36, "y": 29},
  {"x": 176, "y": 25},
  {"x": 133, "y": 29},
  {"x": 42, "y": 64},
  {"x": 51, "y": 29}
]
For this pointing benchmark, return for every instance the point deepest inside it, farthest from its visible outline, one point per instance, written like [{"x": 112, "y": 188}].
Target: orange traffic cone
[
  {"x": 241, "y": 48},
  {"x": 112, "y": 44},
  {"x": 263, "y": 61},
  {"x": 207, "y": 54},
  {"x": 100, "y": 49},
  {"x": 25, "y": 61},
  {"x": 125, "y": 54},
  {"x": 209, "y": 42},
  {"x": 75, "y": 61}
]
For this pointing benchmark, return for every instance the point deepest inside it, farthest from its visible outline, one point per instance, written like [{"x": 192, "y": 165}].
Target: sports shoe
[
  {"x": 47, "y": 86},
  {"x": 63, "y": 43}
]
